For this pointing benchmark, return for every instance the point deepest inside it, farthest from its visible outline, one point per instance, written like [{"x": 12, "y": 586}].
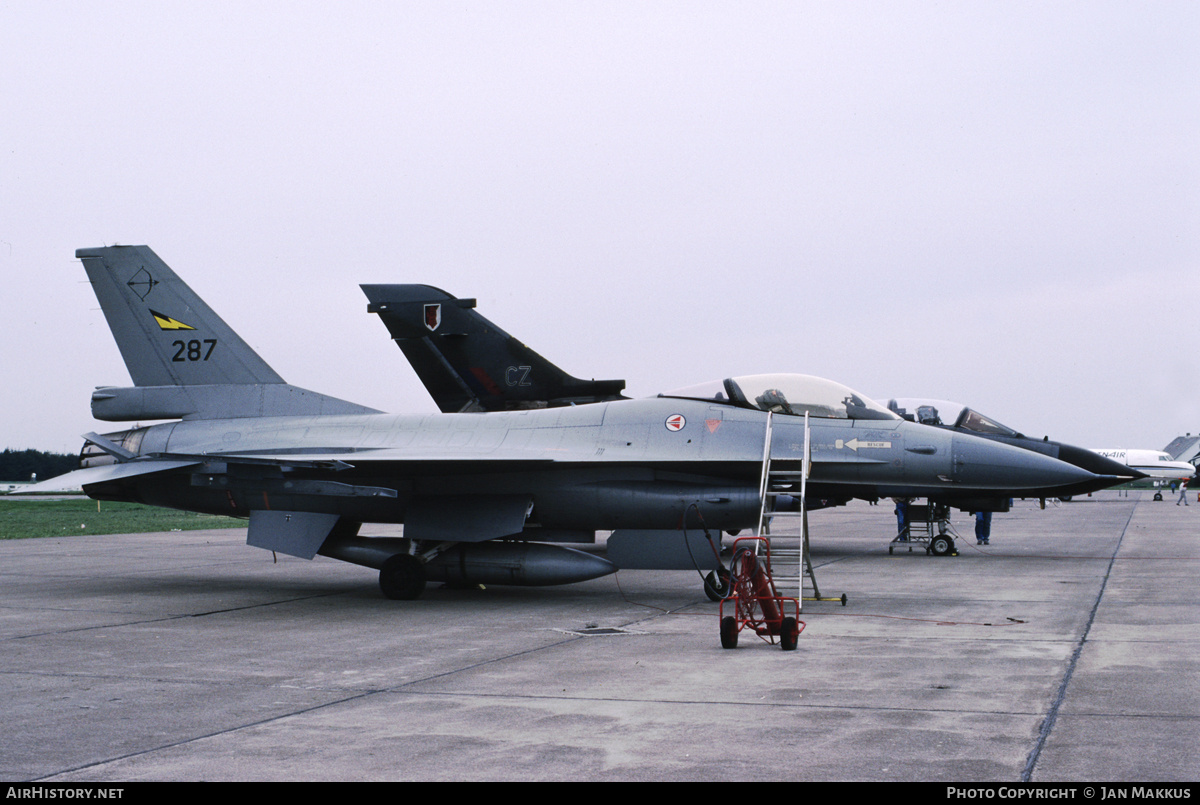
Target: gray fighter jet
[
  {"x": 467, "y": 363},
  {"x": 490, "y": 498}
]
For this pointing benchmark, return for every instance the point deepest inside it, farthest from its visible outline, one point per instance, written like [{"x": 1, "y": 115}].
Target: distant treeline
[{"x": 19, "y": 465}]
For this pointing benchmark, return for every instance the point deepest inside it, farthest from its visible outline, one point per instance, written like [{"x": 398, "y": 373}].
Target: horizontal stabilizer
[
  {"x": 79, "y": 479},
  {"x": 115, "y": 450},
  {"x": 133, "y": 404}
]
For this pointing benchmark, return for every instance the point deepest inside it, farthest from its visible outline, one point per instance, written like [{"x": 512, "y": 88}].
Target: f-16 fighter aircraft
[
  {"x": 468, "y": 363},
  {"x": 484, "y": 498}
]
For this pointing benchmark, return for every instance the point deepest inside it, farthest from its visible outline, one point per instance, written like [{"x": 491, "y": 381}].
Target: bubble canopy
[
  {"x": 794, "y": 395},
  {"x": 950, "y": 414}
]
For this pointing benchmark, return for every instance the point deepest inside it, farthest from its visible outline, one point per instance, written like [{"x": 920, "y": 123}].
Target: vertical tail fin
[
  {"x": 185, "y": 361},
  {"x": 467, "y": 363},
  {"x": 166, "y": 333}
]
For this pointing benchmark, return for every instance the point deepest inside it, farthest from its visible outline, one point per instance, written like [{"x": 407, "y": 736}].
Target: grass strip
[{"x": 27, "y": 518}]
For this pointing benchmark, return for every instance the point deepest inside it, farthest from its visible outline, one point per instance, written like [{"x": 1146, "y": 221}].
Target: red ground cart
[{"x": 754, "y": 599}]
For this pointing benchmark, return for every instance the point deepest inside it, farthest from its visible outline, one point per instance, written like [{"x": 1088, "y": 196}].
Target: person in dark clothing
[{"x": 983, "y": 528}]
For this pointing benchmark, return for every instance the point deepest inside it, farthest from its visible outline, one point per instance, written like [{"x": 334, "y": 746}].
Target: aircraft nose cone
[
  {"x": 985, "y": 464},
  {"x": 1096, "y": 463}
]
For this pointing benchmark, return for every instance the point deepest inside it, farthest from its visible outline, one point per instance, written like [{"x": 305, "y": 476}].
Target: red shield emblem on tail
[{"x": 433, "y": 317}]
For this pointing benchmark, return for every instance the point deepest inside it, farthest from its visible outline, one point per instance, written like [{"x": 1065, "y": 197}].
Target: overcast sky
[{"x": 995, "y": 203}]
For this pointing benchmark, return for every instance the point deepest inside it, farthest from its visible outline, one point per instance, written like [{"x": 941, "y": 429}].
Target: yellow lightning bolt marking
[{"x": 168, "y": 323}]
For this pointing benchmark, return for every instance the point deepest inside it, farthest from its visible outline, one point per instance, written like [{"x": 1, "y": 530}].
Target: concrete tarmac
[{"x": 1067, "y": 650}]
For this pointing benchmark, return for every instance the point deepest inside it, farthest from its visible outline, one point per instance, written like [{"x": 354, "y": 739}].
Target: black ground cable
[{"x": 721, "y": 590}]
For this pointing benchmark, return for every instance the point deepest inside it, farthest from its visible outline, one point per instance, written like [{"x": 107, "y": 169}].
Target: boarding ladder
[{"x": 789, "y": 555}]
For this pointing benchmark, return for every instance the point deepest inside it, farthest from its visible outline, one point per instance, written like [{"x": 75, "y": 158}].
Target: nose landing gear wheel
[
  {"x": 716, "y": 584},
  {"x": 941, "y": 545}
]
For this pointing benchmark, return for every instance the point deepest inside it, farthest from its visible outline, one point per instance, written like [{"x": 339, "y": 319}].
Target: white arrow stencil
[{"x": 854, "y": 444}]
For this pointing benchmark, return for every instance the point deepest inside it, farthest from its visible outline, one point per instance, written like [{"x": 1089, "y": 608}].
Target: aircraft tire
[
  {"x": 941, "y": 545},
  {"x": 716, "y": 584},
  {"x": 729, "y": 632},
  {"x": 788, "y": 634},
  {"x": 402, "y": 577}
]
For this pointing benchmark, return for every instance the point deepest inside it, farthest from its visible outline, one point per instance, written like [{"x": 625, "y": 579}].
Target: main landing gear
[{"x": 402, "y": 577}]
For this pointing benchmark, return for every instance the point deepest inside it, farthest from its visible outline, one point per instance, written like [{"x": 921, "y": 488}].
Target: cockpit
[
  {"x": 950, "y": 415},
  {"x": 789, "y": 394}
]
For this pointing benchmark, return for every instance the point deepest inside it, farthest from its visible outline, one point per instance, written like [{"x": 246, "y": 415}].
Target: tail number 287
[{"x": 193, "y": 350}]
